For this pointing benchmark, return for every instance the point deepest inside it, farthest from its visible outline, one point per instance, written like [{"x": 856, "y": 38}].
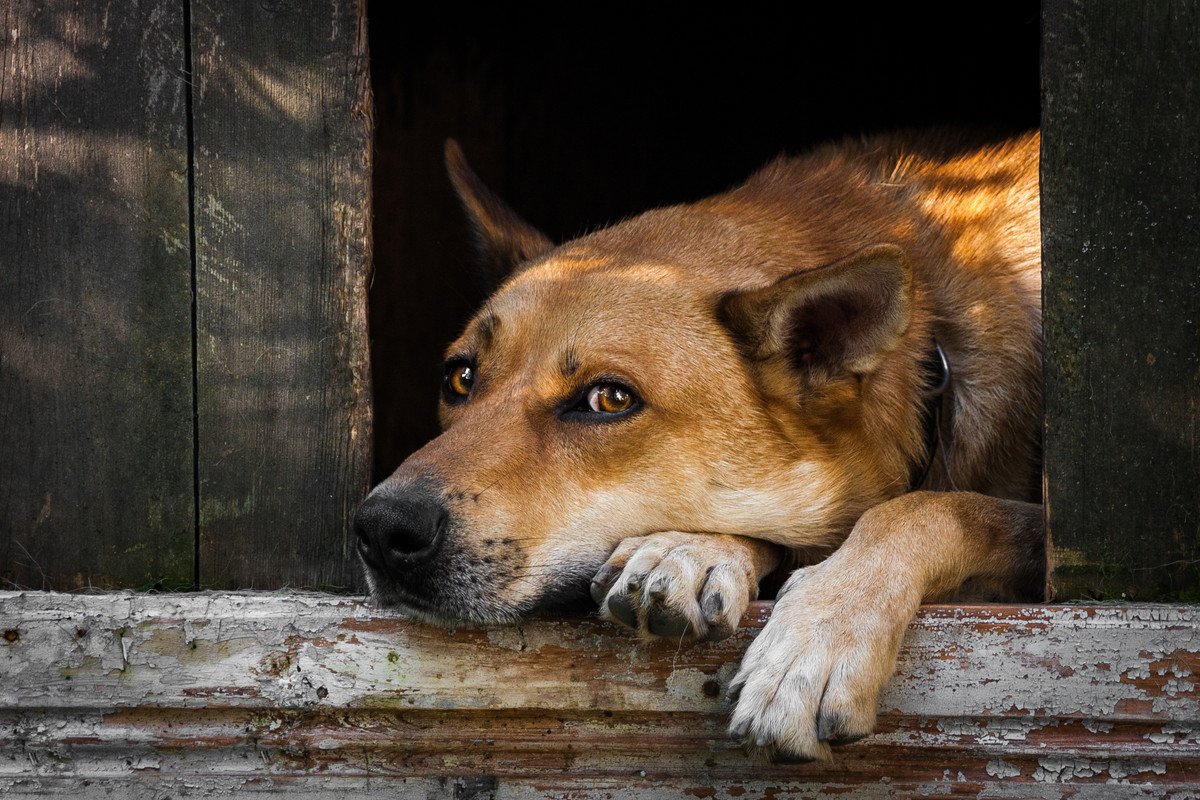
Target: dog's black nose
[{"x": 399, "y": 527}]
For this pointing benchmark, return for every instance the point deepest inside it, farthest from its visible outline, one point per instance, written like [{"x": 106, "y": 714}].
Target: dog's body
[{"x": 675, "y": 406}]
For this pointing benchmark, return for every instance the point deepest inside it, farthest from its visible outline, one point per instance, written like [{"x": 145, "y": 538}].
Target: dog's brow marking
[
  {"x": 569, "y": 364},
  {"x": 487, "y": 330}
]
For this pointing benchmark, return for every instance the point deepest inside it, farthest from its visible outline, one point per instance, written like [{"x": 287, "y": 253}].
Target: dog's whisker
[
  {"x": 484, "y": 490},
  {"x": 513, "y": 539}
]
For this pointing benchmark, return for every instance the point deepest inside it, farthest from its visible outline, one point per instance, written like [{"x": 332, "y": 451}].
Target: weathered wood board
[
  {"x": 1121, "y": 247},
  {"x": 95, "y": 297},
  {"x": 282, "y": 180},
  {"x": 232, "y": 695}
]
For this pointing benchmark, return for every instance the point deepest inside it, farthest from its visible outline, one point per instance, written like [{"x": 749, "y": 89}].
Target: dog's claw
[
  {"x": 621, "y": 609},
  {"x": 675, "y": 584},
  {"x": 714, "y": 604},
  {"x": 713, "y": 609},
  {"x": 835, "y": 729},
  {"x": 602, "y": 583},
  {"x": 827, "y": 725},
  {"x": 598, "y": 592}
]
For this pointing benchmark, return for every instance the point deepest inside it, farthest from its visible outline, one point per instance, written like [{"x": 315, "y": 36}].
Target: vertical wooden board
[
  {"x": 1121, "y": 243},
  {"x": 96, "y": 479},
  {"x": 282, "y": 122}
]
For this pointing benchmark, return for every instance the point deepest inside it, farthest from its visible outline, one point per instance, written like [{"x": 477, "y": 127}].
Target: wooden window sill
[{"x": 308, "y": 693}]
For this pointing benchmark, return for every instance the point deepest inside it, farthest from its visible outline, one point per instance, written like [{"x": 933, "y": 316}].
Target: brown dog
[{"x": 669, "y": 409}]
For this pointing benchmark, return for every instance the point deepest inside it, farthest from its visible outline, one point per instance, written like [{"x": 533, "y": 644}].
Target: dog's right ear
[
  {"x": 504, "y": 240},
  {"x": 820, "y": 324}
]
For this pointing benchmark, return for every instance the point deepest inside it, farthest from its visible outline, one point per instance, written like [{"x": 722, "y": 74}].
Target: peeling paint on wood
[{"x": 214, "y": 694}]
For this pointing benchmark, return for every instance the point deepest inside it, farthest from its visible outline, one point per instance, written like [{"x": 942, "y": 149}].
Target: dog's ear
[
  {"x": 839, "y": 319},
  {"x": 504, "y": 240}
]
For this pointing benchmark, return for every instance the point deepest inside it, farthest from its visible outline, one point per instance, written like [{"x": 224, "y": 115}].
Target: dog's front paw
[
  {"x": 682, "y": 584},
  {"x": 813, "y": 676}
]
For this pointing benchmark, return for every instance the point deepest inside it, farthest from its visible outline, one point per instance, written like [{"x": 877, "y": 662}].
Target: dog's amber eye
[
  {"x": 608, "y": 398},
  {"x": 460, "y": 377}
]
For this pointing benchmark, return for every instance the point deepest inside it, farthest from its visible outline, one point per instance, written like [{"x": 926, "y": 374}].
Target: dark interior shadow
[{"x": 580, "y": 124}]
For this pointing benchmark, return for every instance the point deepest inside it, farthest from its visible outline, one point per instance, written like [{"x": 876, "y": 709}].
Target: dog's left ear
[
  {"x": 834, "y": 320},
  {"x": 505, "y": 241}
]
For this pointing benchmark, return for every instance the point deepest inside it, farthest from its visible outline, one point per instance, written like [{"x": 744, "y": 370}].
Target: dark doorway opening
[{"x": 581, "y": 121}]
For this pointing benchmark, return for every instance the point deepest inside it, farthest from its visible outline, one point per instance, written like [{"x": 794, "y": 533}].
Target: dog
[{"x": 832, "y": 370}]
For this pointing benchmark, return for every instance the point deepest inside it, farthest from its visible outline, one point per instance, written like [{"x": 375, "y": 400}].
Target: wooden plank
[
  {"x": 266, "y": 693},
  {"x": 95, "y": 297},
  {"x": 282, "y": 134},
  {"x": 632, "y": 787},
  {"x": 1121, "y": 244}
]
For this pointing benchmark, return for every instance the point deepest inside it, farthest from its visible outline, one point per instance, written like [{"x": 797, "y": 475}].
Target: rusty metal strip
[{"x": 262, "y": 693}]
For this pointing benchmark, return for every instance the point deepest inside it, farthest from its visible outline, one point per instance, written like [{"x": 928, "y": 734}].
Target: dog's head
[{"x": 658, "y": 375}]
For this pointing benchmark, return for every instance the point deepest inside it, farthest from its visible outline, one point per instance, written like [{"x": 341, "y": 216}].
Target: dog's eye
[
  {"x": 609, "y": 398},
  {"x": 603, "y": 401},
  {"x": 460, "y": 377}
]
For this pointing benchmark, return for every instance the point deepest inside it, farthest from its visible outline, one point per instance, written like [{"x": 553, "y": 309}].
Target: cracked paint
[{"x": 227, "y": 690}]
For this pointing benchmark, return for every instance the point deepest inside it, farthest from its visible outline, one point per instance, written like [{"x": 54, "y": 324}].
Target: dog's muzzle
[
  {"x": 419, "y": 557},
  {"x": 400, "y": 529}
]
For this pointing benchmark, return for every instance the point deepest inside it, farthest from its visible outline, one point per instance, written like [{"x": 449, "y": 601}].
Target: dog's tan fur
[{"x": 776, "y": 334}]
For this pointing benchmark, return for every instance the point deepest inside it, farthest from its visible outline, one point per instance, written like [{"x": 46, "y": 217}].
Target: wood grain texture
[
  {"x": 282, "y": 163},
  {"x": 235, "y": 695},
  {"x": 1121, "y": 247},
  {"x": 95, "y": 326}
]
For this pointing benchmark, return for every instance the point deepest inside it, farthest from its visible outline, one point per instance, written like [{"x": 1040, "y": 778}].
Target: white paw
[
  {"x": 812, "y": 677},
  {"x": 676, "y": 585}
]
